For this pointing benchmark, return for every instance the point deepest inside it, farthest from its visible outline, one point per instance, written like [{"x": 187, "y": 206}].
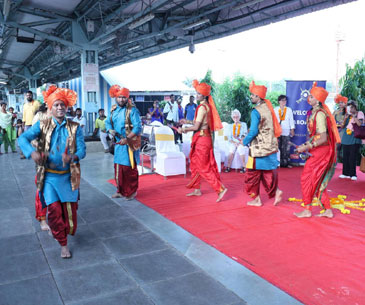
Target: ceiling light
[
  {"x": 133, "y": 48},
  {"x": 243, "y": 5},
  {"x": 108, "y": 39},
  {"x": 195, "y": 24},
  {"x": 141, "y": 21},
  {"x": 3, "y": 82}
]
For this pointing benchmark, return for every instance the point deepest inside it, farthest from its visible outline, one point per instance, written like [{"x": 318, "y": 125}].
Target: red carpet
[{"x": 318, "y": 261}]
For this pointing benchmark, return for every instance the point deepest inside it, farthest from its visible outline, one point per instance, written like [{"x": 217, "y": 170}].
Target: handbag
[
  {"x": 362, "y": 164},
  {"x": 359, "y": 131}
]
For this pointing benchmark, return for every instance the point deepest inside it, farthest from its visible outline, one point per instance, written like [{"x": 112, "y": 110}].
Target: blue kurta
[
  {"x": 269, "y": 162},
  {"x": 121, "y": 151},
  {"x": 56, "y": 187}
]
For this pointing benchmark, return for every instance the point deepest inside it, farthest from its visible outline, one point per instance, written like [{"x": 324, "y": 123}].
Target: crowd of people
[{"x": 53, "y": 136}]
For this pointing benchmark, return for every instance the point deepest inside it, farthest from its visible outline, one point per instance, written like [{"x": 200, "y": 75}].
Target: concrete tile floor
[{"x": 123, "y": 252}]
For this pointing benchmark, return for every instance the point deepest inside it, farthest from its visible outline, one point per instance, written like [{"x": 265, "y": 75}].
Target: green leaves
[{"x": 353, "y": 83}]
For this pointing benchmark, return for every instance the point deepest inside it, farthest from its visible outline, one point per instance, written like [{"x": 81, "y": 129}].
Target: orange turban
[
  {"x": 202, "y": 88},
  {"x": 215, "y": 122},
  {"x": 339, "y": 98},
  {"x": 68, "y": 96},
  {"x": 116, "y": 91},
  {"x": 319, "y": 93},
  {"x": 258, "y": 90},
  {"x": 261, "y": 92}
]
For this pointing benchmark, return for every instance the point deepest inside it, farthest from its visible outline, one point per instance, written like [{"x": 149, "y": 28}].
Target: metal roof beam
[
  {"x": 43, "y": 13},
  {"x": 44, "y": 35},
  {"x": 154, "y": 6},
  {"x": 45, "y": 22},
  {"x": 204, "y": 12}
]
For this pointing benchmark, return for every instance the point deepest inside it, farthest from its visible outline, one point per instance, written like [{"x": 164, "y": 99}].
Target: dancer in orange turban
[
  {"x": 124, "y": 124},
  {"x": 59, "y": 148},
  {"x": 262, "y": 138},
  {"x": 202, "y": 161},
  {"x": 320, "y": 166}
]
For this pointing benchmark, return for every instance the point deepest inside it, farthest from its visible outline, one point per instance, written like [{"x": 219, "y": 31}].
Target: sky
[{"x": 300, "y": 48}]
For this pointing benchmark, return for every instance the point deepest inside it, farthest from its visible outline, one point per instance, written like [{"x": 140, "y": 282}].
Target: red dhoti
[
  {"x": 253, "y": 178},
  {"x": 202, "y": 162},
  {"x": 126, "y": 178},
  {"x": 313, "y": 180},
  {"x": 62, "y": 220},
  {"x": 40, "y": 212}
]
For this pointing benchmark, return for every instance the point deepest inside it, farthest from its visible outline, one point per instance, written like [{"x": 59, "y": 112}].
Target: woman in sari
[
  {"x": 202, "y": 161},
  {"x": 320, "y": 166}
]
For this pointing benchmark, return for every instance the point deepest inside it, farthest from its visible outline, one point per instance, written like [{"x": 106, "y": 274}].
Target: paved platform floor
[{"x": 123, "y": 252}]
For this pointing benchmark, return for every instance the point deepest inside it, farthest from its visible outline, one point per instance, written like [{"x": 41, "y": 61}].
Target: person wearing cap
[
  {"x": 320, "y": 166},
  {"x": 262, "y": 140},
  {"x": 339, "y": 115},
  {"x": 202, "y": 161},
  {"x": 350, "y": 144},
  {"x": 124, "y": 124},
  {"x": 59, "y": 149}
]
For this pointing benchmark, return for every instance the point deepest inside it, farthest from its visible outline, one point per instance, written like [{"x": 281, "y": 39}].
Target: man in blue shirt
[
  {"x": 60, "y": 146},
  {"x": 124, "y": 123},
  {"x": 190, "y": 109}
]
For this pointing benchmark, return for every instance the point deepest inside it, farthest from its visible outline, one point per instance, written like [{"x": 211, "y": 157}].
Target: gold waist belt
[{"x": 53, "y": 171}]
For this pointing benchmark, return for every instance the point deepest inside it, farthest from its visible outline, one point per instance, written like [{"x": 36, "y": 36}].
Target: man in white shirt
[
  {"x": 172, "y": 111},
  {"x": 286, "y": 120},
  {"x": 79, "y": 118}
]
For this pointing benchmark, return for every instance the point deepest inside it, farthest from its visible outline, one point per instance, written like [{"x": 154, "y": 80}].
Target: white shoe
[
  {"x": 353, "y": 178},
  {"x": 344, "y": 177}
]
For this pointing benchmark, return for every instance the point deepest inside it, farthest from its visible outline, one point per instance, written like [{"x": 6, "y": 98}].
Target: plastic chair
[{"x": 169, "y": 160}]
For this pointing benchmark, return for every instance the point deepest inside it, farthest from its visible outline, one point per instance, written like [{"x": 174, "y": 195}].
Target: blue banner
[{"x": 297, "y": 93}]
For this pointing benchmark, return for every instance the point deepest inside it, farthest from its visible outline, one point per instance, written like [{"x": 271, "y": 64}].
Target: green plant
[
  {"x": 233, "y": 94},
  {"x": 353, "y": 83}
]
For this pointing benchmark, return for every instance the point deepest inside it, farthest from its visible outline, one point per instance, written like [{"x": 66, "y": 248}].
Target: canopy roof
[{"x": 42, "y": 39}]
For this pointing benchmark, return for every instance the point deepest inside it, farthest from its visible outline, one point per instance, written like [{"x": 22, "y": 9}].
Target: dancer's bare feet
[
  {"x": 65, "y": 252},
  {"x": 221, "y": 194},
  {"x": 278, "y": 196},
  {"x": 131, "y": 196},
  {"x": 44, "y": 225},
  {"x": 117, "y": 195},
  {"x": 303, "y": 214},
  {"x": 196, "y": 192},
  {"x": 327, "y": 213},
  {"x": 256, "y": 202}
]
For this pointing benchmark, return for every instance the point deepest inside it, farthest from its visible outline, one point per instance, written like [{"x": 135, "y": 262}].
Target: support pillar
[{"x": 90, "y": 100}]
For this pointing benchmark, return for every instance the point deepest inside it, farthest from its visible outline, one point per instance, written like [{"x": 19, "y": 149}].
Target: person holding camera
[{"x": 350, "y": 144}]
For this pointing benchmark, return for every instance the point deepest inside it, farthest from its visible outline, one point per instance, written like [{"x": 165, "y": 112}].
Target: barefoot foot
[
  {"x": 131, "y": 196},
  {"x": 303, "y": 214},
  {"x": 196, "y": 192},
  {"x": 65, "y": 252},
  {"x": 256, "y": 202},
  {"x": 278, "y": 196},
  {"x": 221, "y": 194},
  {"x": 44, "y": 225},
  {"x": 327, "y": 213},
  {"x": 117, "y": 195}
]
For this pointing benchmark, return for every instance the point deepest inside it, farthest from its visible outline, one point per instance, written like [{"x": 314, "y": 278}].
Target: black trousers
[
  {"x": 349, "y": 159},
  {"x": 284, "y": 150}
]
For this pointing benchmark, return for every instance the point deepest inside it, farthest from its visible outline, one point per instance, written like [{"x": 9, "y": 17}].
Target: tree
[
  {"x": 353, "y": 83},
  {"x": 233, "y": 94},
  {"x": 208, "y": 79}
]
